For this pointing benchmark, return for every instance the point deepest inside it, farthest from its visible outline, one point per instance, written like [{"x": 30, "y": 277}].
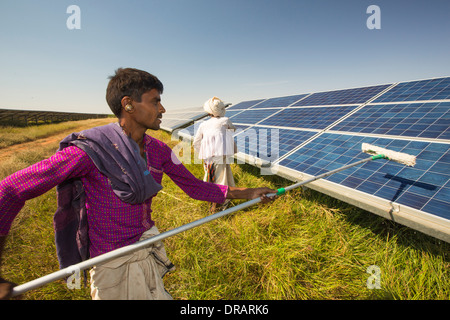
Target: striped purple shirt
[{"x": 112, "y": 222}]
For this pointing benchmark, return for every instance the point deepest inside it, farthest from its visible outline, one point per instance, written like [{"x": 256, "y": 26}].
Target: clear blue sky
[{"x": 234, "y": 49}]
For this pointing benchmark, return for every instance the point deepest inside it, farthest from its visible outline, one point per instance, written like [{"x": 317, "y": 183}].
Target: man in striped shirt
[{"x": 135, "y": 98}]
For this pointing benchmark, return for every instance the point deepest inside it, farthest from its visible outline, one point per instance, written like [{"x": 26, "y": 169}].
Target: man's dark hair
[{"x": 129, "y": 82}]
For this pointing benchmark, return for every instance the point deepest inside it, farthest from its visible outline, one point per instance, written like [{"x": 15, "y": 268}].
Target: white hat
[{"x": 215, "y": 106}]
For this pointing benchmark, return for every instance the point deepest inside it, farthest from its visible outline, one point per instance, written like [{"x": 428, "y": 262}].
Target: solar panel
[
  {"x": 252, "y": 116},
  {"x": 245, "y": 104},
  {"x": 263, "y": 142},
  {"x": 429, "y": 120},
  {"x": 173, "y": 119},
  {"x": 312, "y": 118},
  {"x": 433, "y": 89},
  {"x": 231, "y": 113},
  {"x": 415, "y": 187},
  {"x": 319, "y": 132},
  {"x": 279, "y": 102},
  {"x": 337, "y": 97}
]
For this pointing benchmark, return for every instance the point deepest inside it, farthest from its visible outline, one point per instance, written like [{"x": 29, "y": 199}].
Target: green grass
[{"x": 304, "y": 245}]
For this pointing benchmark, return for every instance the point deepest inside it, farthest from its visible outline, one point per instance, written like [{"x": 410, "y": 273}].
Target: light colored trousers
[
  {"x": 137, "y": 276},
  {"x": 218, "y": 170}
]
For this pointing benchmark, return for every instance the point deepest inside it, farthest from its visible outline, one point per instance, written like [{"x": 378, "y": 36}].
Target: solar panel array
[
  {"x": 26, "y": 117},
  {"x": 308, "y": 134}
]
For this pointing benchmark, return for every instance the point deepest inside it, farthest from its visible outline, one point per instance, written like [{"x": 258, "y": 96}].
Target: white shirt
[{"x": 214, "y": 138}]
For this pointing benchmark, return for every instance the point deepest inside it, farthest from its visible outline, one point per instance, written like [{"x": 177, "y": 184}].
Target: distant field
[
  {"x": 304, "y": 245},
  {"x": 23, "y": 118},
  {"x": 11, "y": 135}
]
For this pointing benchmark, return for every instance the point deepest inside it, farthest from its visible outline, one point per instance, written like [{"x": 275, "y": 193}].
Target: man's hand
[
  {"x": 5, "y": 286},
  {"x": 251, "y": 193},
  {"x": 6, "y": 289},
  {"x": 262, "y": 193}
]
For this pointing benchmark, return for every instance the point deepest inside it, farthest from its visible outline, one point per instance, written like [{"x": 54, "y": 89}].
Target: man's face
[{"x": 149, "y": 111}]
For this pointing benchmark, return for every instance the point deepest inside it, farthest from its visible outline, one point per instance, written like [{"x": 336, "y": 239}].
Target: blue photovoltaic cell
[
  {"x": 239, "y": 128},
  {"x": 279, "y": 102},
  {"x": 434, "y": 89},
  {"x": 423, "y": 187},
  {"x": 290, "y": 139},
  {"x": 424, "y": 120},
  {"x": 244, "y": 104},
  {"x": 308, "y": 118},
  {"x": 252, "y": 116},
  {"x": 270, "y": 143},
  {"x": 230, "y": 113},
  {"x": 347, "y": 96}
]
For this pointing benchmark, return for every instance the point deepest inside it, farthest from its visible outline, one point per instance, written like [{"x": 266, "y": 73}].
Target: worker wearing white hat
[{"x": 214, "y": 144}]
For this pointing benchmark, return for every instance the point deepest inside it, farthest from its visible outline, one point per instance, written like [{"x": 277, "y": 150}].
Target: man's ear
[
  {"x": 125, "y": 100},
  {"x": 126, "y": 104}
]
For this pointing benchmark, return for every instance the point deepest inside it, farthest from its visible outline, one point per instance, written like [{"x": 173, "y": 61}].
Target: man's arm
[
  {"x": 31, "y": 182},
  {"x": 205, "y": 191},
  {"x": 37, "y": 179}
]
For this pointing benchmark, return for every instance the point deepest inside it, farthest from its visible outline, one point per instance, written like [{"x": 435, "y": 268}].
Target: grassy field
[
  {"x": 304, "y": 245},
  {"x": 11, "y": 135}
]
